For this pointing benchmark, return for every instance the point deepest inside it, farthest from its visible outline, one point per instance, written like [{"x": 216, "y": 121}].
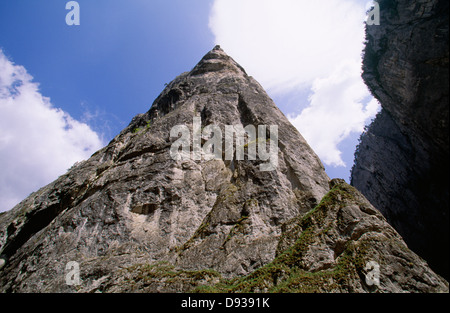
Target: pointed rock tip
[
  {"x": 217, "y": 47},
  {"x": 217, "y": 60}
]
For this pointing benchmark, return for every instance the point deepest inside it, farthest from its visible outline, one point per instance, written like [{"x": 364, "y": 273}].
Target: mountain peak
[
  {"x": 133, "y": 213},
  {"x": 215, "y": 61}
]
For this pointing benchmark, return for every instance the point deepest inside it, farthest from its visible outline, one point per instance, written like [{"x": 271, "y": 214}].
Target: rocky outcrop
[
  {"x": 136, "y": 218},
  {"x": 335, "y": 248},
  {"x": 329, "y": 249},
  {"x": 132, "y": 203},
  {"x": 401, "y": 164}
]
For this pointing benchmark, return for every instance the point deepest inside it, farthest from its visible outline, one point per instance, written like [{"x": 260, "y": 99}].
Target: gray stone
[
  {"x": 131, "y": 203},
  {"x": 401, "y": 165},
  {"x": 136, "y": 220}
]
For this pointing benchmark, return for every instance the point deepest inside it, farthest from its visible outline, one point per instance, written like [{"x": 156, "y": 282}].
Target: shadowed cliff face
[
  {"x": 135, "y": 219},
  {"x": 401, "y": 165}
]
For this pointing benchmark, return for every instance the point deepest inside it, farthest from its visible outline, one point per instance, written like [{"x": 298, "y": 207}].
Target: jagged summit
[
  {"x": 216, "y": 67},
  {"x": 134, "y": 218},
  {"x": 131, "y": 202},
  {"x": 215, "y": 61}
]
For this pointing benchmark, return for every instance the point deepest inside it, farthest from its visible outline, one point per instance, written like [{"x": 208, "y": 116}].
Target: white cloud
[
  {"x": 38, "y": 142},
  {"x": 297, "y": 44},
  {"x": 337, "y": 109},
  {"x": 285, "y": 43}
]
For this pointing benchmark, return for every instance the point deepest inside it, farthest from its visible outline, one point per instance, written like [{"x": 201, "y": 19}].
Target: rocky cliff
[
  {"x": 136, "y": 218},
  {"x": 402, "y": 165}
]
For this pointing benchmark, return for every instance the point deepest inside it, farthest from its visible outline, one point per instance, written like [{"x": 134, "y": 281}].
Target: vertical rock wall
[{"x": 402, "y": 164}]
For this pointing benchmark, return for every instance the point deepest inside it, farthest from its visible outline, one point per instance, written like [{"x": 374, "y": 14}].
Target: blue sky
[
  {"x": 116, "y": 62},
  {"x": 88, "y": 81}
]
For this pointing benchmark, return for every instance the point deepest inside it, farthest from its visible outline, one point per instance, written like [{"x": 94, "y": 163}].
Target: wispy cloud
[
  {"x": 289, "y": 45},
  {"x": 38, "y": 142}
]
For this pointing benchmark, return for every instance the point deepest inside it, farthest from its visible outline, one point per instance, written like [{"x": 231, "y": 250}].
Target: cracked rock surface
[
  {"x": 401, "y": 165},
  {"x": 136, "y": 220}
]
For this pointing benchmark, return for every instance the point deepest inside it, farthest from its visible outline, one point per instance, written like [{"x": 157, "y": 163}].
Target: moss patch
[
  {"x": 287, "y": 274},
  {"x": 144, "y": 277}
]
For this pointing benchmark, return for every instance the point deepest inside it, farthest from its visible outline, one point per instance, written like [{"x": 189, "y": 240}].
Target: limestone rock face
[
  {"x": 401, "y": 165},
  {"x": 342, "y": 245},
  {"x": 132, "y": 203},
  {"x": 136, "y": 219}
]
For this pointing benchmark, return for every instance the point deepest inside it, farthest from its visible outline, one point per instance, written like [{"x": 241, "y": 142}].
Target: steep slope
[
  {"x": 131, "y": 202},
  {"x": 401, "y": 165},
  {"x": 326, "y": 250},
  {"x": 135, "y": 218}
]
